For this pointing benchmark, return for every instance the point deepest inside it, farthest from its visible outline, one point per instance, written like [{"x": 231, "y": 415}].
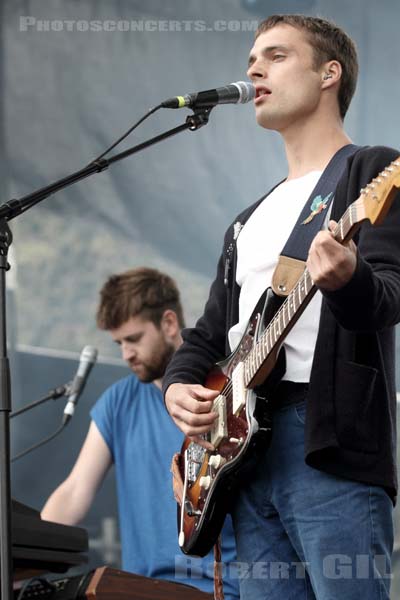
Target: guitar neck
[
  {"x": 373, "y": 204},
  {"x": 297, "y": 301}
]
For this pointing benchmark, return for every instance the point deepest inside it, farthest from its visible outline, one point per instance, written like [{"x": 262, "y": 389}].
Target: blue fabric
[
  {"x": 142, "y": 438},
  {"x": 292, "y": 516},
  {"x": 299, "y": 241}
]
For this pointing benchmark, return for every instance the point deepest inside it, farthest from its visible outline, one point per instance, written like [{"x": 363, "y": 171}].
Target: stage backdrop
[{"x": 74, "y": 76}]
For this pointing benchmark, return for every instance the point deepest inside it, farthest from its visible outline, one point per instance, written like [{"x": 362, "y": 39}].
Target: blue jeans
[{"x": 305, "y": 534}]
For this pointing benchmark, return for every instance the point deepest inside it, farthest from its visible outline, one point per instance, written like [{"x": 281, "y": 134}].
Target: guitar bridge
[
  {"x": 195, "y": 457},
  {"x": 219, "y": 430},
  {"x": 190, "y": 511}
]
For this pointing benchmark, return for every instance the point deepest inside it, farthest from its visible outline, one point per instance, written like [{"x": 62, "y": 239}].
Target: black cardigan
[{"x": 351, "y": 404}]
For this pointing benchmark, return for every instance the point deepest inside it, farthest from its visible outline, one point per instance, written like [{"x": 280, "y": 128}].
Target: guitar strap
[{"x": 291, "y": 262}]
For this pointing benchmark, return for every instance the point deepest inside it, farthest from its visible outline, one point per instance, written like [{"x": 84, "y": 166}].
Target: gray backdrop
[{"x": 74, "y": 76}]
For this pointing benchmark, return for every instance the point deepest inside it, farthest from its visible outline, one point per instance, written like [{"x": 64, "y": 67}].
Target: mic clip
[{"x": 199, "y": 118}]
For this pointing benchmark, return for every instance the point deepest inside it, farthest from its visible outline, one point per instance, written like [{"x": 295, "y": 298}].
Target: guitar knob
[
  {"x": 205, "y": 482},
  {"x": 216, "y": 461}
]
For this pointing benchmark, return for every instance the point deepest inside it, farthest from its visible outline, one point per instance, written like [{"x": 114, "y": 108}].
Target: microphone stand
[
  {"x": 9, "y": 210},
  {"x": 5, "y": 409},
  {"x": 13, "y": 208},
  {"x": 58, "y": 392}
]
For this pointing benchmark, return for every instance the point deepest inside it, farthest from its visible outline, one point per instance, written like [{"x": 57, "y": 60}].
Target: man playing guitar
[{"x": 314, "y": 517}]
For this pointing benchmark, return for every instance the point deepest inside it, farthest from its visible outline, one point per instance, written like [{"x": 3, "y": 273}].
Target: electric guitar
[{"x": 244, "y": 423}]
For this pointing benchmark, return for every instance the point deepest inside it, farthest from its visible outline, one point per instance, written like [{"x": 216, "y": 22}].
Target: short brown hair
[
  {"x": 143, "y": 291},
  {"x": 329, "y": 42}
]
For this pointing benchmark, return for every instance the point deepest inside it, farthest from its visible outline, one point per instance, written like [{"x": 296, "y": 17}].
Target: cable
[
  {"x": 125, "y": 135},
  {"x": 61, "y": 184},
  {"x": 48, "y": 439},
  {"x": 51, "y": 587}
]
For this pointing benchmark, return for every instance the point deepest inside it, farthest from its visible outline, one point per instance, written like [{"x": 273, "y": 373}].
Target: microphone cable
[
  {"x": 41, "y": 443},
  {"x": 74, "y": 390},
  {"x": 240, "y": 91},
  {"x": 125, "y": 135},
  {"x": 93, "y": 162}
]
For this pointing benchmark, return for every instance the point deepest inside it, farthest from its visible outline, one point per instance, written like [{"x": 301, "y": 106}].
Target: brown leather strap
[
  {"x": 218, "y": 584},
  {"x": 287, "y": 273}
]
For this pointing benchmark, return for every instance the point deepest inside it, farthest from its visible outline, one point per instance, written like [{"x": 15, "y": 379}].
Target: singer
[
  {"x": 321, "y": 495},
  {"x": 131, "y": 430}
]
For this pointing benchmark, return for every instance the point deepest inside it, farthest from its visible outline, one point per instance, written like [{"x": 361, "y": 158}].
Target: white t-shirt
[{"x": 259, "y": 245}]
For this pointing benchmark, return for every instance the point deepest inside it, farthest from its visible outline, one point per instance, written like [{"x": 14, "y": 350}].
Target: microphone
[
  {"x": 87, "y": 359},
  {"x": 239, "y": 92}
]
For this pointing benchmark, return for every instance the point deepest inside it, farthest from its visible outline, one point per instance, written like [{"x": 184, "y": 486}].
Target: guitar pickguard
[{"x": 241, "y": 431}]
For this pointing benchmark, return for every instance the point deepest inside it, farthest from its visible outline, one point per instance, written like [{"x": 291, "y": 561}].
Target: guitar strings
[
  {"x": 274, "y": 332},
  {"x": 343, "y": 227}
]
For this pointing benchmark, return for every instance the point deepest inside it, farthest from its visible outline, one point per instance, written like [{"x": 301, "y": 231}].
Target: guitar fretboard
[{"x": 296, "y": 302}]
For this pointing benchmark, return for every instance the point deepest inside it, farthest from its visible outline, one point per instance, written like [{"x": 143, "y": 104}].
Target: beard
[{"x": 155, "y": 366}]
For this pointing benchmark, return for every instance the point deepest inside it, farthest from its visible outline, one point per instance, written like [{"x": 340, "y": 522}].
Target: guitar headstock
[{"x": 376, "y": 198}]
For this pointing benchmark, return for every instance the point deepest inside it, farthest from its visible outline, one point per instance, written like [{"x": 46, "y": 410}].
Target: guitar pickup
[
  {"x": 239, "y": 389},
  {"x": 220, "y": 429}
]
